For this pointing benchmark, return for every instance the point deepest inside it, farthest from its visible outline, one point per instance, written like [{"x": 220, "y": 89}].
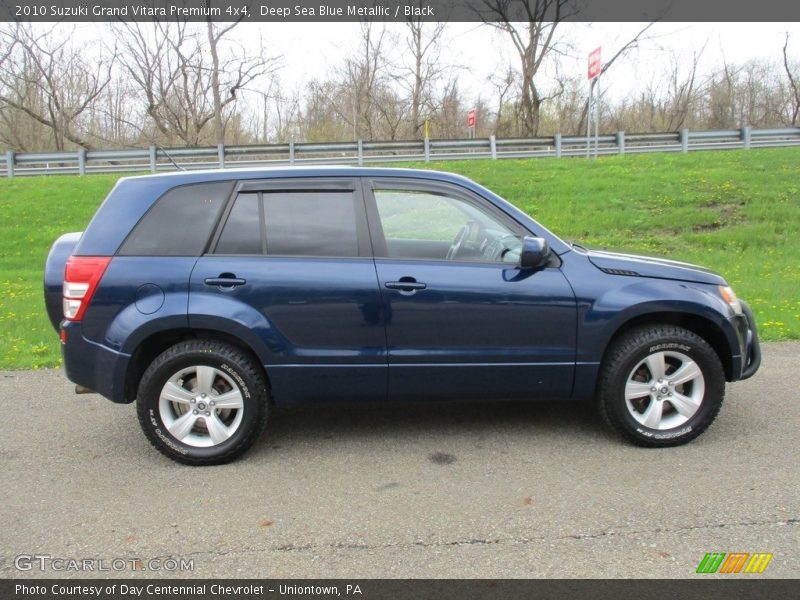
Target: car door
[
  {"x": 463, "y": 320},
  {"x": 291, "y": 263}
]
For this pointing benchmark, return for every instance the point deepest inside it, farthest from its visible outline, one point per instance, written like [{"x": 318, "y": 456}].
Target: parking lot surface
[{"x": 502, "y": 490}]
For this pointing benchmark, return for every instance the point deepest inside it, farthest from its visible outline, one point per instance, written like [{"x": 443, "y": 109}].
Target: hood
[{"x": 645, "y": 266}]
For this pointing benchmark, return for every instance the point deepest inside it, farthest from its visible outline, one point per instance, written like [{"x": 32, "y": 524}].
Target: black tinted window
[
  {"x": 242, "y": 232},
  {"x": 310, "y": 224},
  {"x": 180, "y": 222},
  {"x": 289, "y": 223}
]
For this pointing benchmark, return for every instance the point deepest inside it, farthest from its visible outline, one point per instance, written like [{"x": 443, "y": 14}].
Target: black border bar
[
  {"x": 712, "y": 588},
  {"x": 276, "y": 11}
]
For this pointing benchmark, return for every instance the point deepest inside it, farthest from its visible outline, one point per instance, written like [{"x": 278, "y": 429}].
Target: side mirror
[{"x": 535, "y": 253}]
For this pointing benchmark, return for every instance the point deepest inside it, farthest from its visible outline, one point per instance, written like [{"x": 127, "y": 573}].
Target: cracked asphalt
[{"x": 502, "y": 490}]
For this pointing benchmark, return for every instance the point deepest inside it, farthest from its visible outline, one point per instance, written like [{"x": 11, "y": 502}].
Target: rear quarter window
[{"x": 179, "y": 223}]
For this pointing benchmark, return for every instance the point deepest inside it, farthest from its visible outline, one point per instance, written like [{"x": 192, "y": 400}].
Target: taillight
[{"x": 81, "y": 276}]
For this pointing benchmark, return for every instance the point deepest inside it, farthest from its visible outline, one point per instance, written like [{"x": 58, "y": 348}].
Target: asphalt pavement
[{"x": 495, "y": 490}]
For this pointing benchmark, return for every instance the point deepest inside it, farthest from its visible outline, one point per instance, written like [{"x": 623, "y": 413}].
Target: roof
[{"x": 174, "y": 178}]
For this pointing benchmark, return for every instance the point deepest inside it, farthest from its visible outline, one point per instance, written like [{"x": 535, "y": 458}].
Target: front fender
[
  {"x": 619, "y": 305},
  {"x": 607, "y": 302},
  {"x": 601, "y": 320}
]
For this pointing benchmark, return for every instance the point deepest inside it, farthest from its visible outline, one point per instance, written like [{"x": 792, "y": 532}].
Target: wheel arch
[
  {"x": 153, "y": 345},
  {"x": 699, "y": 325}
]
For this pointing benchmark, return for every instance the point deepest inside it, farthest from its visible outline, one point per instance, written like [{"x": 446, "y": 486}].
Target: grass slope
[{"x": 737, "y": 212}]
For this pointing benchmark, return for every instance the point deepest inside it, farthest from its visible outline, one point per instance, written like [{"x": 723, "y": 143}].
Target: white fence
[{"x": 156, "y": 159}]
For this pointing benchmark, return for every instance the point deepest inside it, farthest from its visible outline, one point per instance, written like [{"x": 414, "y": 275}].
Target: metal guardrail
[{"x": 154, "y": 159}]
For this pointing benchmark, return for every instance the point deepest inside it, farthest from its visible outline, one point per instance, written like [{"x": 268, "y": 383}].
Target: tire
[
  {"x": 202, "y": 402},
  {"x": 661, "y": 386}
]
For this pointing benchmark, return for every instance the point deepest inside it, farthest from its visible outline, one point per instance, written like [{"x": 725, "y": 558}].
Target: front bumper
[{"x": 748, "y": 340}]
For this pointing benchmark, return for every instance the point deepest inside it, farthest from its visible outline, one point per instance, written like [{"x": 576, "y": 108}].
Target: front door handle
[
  {"x": 405, "y": 285},
  {"x": 225, "y": 280}
]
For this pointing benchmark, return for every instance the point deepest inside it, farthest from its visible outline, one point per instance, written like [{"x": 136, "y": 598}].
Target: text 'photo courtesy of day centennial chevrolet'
[{"x": 209, "y": 297}]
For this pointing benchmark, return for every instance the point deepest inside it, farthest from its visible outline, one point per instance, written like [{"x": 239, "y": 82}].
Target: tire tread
[
  {"x": 226, "y": 352},
  {"x": 620, "y": 351}
]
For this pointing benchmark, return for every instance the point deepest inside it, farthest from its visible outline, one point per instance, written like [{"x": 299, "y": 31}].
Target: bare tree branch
[
  {"x": 53, "y": 71},
  {"x": 534, "y": 42},
  {"x": 190, "y": 76},
  {"x": 795, "y": 87}
]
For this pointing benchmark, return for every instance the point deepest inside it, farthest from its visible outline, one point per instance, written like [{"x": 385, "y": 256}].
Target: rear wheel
[
  {"x": 661, "y": 385},
  {"x": 202, "y": 402}
]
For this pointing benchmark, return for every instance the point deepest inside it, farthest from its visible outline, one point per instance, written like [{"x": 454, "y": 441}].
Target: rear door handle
[
  {"x": 405, "y": 286},
  {"x": 225, "y": 280}
]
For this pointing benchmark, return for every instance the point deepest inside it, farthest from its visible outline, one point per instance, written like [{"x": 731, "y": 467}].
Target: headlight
[{"x": 729, "y": 296}]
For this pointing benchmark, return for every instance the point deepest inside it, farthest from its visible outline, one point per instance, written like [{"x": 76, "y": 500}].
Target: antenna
[{"x": 177, "y": 166}]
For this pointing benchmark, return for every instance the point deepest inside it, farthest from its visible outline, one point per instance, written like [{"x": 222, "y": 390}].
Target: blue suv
[{"x": 208, "y": 297}]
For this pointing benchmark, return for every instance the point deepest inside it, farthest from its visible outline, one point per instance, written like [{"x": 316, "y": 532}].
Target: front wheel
[
  {"x": 202, "y": 402},
  {"x": 661, "y": 385}
]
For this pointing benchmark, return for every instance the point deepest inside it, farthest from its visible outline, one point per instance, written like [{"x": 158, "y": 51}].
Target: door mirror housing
[{"x": 535, "y": 253}]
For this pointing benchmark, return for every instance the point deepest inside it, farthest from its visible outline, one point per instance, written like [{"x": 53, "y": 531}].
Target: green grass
[
  {"x": 34, "y": 212},
  {"x": 737, "y": 212}
]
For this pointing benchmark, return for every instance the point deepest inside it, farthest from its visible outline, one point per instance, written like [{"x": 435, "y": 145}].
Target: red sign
[
  {"x": 594, "y": 63},
  {"x": 471, "y": 118}
]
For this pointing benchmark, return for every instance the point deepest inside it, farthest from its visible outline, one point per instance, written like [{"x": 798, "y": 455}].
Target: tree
[
  {"x": 503, "y": 85},
  {"x": 232, "y": 74},
  {"x": 566, "y": 114},
  {"x": 720, "y": 97},
  {"x": 324, "y": 116},
  {"x": 280, "y": 112},
  {"x": 681, "y": 94},
  {"x": 794, "y": 85},
  {"x": 361, "y": 76},
  {"x": 189, "y": 77},
  {"x": 534, "y": 42},
  {"x": 360, "y": 94},
  {"x": 6, "y": 47},
  {"x": 113, "y": 120},
  {"x": 449, "y": 117},
  {"x": 47, "y": 78},
  {"x": 423, "y": 44}
]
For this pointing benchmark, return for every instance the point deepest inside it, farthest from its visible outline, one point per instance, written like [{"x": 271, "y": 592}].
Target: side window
[
  {"x": 291, "y": 223},
  {"x": 180, "y": 222},
  {"x": 410, "y": 215},
  {"x": 434, "y": 226},
  {"x": 242, "y": 232},
  {"x": 311, "y": 224}
]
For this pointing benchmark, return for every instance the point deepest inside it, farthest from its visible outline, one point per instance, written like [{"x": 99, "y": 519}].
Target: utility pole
[{"x": 593, "y": 104}]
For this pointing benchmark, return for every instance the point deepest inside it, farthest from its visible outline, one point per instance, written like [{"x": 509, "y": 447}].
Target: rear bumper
[
  {"x": 94, "y": 365},
  {"x": 749, "y": 346}
]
